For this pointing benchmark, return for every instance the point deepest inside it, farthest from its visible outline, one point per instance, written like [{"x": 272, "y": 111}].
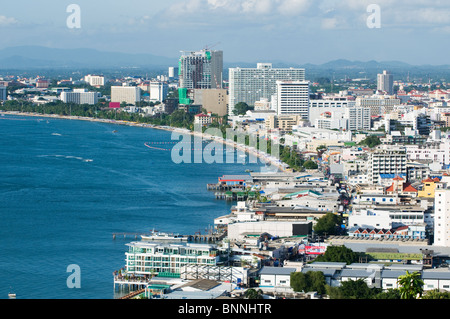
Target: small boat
[
  {"x": 157, "y": 236},
  {"x": 11, "y": 295},
  {"x": 114, "y": 131}
]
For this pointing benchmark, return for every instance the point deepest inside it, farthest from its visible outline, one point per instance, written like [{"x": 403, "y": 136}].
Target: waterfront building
[
  {"x": 158, "y": 91},
  {"x": 442, "y": 217},
  {"x": 249, "y": 85},
  {"x": 167, "y": 259},
  {"x": 80, "y": 96},
  {"x": 3, "y": 93},
  {"x": 212, "y": 100},
  {"x": 200, "y": 69},
  {"x": 385, "y": 82},
  {"x": 125, "y": 94}
]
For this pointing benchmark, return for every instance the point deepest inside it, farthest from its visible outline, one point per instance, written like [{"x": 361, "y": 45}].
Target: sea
[{"x": 66, "y": 186}]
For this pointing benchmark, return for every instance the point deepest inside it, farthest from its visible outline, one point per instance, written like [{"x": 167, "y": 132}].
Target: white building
[
  {"x": 127, "y": 94},
  {"x": 386, "y": 161},
  {"x": 80, "y": 96},
  {"x": 335, "y": 106},
  {"x": 158, "y": 91},
  {"x": 385, "y": 82},
  {"x": 95, "y": 80},
  {"x": 442, "y": 217},
  {"x": 293, "y": 98},
  {"x": 378, "y": 105},
  {"x": 249, "y": 85},
  {"x": 358, "y": 118}
]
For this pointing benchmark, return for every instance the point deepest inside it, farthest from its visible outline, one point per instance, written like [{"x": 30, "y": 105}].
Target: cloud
[{"x": 5, "y": 21}]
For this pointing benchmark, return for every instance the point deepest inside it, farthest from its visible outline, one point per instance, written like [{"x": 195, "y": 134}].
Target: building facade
[
  {"x": 80, "y": 96},
  {"x": 201, "y": 69},
  {"x": 249, "y": 85},
  {"x": 385, "y": 82},
  {"x": 293, "y": 98},
  {"x": 127, "y": 94},
  {"x": 442, "y": 217}
]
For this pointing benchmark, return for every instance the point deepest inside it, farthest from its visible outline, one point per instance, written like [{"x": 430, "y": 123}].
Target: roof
[
  {"x": 202, "y": 284},
  {"x": 436, "y": 275},
  {"x": 266, "y": 270}
]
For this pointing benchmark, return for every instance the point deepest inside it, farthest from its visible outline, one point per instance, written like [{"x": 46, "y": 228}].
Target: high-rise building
[
  {"x": 158, "y": 91},
  {"x": 201, "y": 69},
  {"x": 358, "y": 118},
  {"x": 386, "y": 161},
  {"x": 80, "y": 96},
  {"x": 385, "y": 82},
  {"x": 95, "y": 80},
  {"x": 249, "y": 85},
  {"x": 442, "y": 217},
  {"x": 293, "y": 98},
  {"x": 127, "y": 94},
  {"x": 3, "y": 93},
  {"x": 173, "y": 73}
]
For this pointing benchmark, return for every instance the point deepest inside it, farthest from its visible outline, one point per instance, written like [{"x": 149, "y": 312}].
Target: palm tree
[{"x": 410, "y": 285}]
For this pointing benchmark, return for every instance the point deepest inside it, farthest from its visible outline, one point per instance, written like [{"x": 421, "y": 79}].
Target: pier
[
  {"x": 197, "y": 237},
  {"x": 125, "y": 235}
]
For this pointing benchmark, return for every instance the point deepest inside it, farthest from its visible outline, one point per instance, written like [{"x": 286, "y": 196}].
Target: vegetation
[
  {"x": 241, "y": 108},
  {"x": 339, "y": 254},
  {"x": 370, "y": 141},
  {"x": 328, "y": 224},
  {"x": 309, "y": 281},
  {"x": 410, "y": 285},
  {"x": 253, "y": 294},
  {"x": 353, "y": 289}
]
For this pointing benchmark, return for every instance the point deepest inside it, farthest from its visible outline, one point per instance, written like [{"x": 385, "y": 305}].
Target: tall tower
[
  {"x": 293, "y": 98},
  {"x": 385, "y": 82},
  {"x": 200, "y": 69}
]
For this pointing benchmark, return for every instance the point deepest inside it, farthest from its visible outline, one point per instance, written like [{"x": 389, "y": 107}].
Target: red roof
[
  {"x": 398, "y": 178},
  {"x": 428, "y": 180}
]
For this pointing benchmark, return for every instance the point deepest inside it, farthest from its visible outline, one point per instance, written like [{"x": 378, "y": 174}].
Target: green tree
[
  {"x": 328, "y": 224},
  {"x": 299, "y": 281},
  {"x": 241, "y": 108},
  {"x": 410, "y": 285},
  {"x": 309, "y": 281},
  {"x": 253, "y": 294},
  {"x": 436, "y": 294},
  {"x": 310, "y": 165},
  {"x": 339, "y": 254},
  {"x": 370, "y": 141},
  {"x": 357, "y": 289},
  {"x": 388, "y": 294}
]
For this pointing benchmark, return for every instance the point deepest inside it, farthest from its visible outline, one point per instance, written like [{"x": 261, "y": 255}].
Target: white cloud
[{"x": 5, "y": 21}]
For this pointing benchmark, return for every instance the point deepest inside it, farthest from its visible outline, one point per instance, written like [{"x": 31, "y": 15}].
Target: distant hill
[{"x": 42, "y": 57}]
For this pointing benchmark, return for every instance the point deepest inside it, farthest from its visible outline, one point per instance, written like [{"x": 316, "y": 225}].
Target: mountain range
[{"x": 39, "y": 57}]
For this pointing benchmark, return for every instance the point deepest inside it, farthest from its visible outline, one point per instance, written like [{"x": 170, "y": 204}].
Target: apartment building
[
  {"x": 386, "y": 161},
  {"x": 442, "y": 217}
]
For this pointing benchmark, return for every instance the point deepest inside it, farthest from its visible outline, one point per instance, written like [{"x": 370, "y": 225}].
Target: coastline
[{"x": 264, "y": 157}]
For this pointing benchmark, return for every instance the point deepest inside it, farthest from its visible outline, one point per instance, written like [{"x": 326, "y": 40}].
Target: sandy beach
[{"x": 264, "y": 157}]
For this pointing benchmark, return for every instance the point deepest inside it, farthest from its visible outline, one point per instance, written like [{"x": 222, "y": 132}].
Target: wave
[{"x": 68, "y": 157}]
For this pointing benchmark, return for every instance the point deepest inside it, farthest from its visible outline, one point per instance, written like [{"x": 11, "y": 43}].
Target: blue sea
[{"x": 67, "y": 186}]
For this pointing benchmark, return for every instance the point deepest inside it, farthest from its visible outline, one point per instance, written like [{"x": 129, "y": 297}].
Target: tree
[
  {"x": 253, "y": 294},
  {"x": 328, "y": 224},
  {"x": 370, "y": 141},
  {"x": 410, "y": 285},
  {"x": 436, "y": 294},
  {"x": 241, "y": 108},
  {"x": 356, "y": 289},
  {"x": 310, "y": 165},
  {"x": 339, "y": 254},
  {"x": 309, "y": 281}
]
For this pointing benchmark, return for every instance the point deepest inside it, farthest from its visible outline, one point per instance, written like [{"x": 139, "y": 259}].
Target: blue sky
[{"x": 300, "y": 31}]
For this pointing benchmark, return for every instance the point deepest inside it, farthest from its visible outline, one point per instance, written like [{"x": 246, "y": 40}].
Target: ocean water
[{"x": 66, "y": 186}]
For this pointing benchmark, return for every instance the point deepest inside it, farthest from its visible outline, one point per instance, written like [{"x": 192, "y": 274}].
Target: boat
[
  {"x": 11, "y": 295},
  {"x": 157, "y": 236}
]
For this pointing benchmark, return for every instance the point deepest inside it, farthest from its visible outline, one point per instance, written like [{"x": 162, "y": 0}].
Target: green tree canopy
[
  {"x": 309, "y": 281},
  {"x": 370, "y": 141},
  {"x": 410, "y": 285},
  {"x": 328, "y": 224},
  {"x": 339, "y": 254},
  {"x": 241, "y": 108},
  {"x": 353, "y": 289}
]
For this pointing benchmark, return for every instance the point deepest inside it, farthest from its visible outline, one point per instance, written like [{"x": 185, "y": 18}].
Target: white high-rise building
[
  {"x": 127, "y": 94},
  {"x": 201, "y": 69},
  {"x": 442, "y": 217},
  {"x": 249, "y": 85},
  {"x": 80, "y": 96},
  {"x": 386, "y": 161},
  {"x": 385, "y": 82},
  {"x": 95, "y": 80},
  {"x": 158, "y": 91},
  {"x": 293, "y": 98},
  {"x": 358, "y": 118}
]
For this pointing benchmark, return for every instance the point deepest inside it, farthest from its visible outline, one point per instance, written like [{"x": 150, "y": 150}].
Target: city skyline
[{"x": 291, "y": 31}]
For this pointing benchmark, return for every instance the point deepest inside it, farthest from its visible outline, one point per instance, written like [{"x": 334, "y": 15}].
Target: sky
[{"x": 295, "y": 31}]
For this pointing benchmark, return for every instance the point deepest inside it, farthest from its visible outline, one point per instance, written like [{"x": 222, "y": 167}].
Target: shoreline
[{"x": 264, "y": 158}]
